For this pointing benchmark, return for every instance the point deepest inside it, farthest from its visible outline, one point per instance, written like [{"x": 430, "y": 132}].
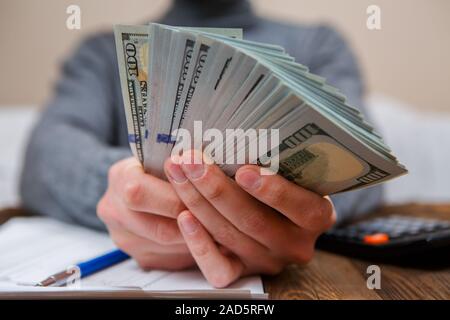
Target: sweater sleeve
[
  {"x": 330, "y": 56},
  {"x": 75, "y": 141}
]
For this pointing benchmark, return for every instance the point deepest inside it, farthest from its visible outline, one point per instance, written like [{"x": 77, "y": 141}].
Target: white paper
[{"x": 31, "y": 249}]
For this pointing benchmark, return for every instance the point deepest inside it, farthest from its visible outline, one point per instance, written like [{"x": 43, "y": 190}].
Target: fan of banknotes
[{"x": 176, "y": 80}]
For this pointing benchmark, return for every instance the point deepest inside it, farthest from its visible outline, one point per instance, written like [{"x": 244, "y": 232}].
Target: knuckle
[
  {"x": 114, "y": 171},
  {"x": 326, "y": 206},
  {"x": 104, "y": 209},
  {"x": 214, "y": 191},
  {"x": 132, "y": 193}
]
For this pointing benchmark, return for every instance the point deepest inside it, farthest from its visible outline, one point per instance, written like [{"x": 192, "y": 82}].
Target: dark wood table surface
[{"x": 331, "y": 276}]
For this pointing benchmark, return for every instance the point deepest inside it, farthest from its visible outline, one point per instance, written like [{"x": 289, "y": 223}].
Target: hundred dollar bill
[
  {"x": 132, "y": 47},
  {"x": 315, "y": 159},
  {"x": 182, "y": 56},
  {"x": 243, "y": 91},
  {"x": 184, "y": 64},
  {"x": 318, "y": 155}
]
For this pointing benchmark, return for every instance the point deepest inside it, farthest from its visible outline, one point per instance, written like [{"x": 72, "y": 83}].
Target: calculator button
[{"x": 376, "y": 238}]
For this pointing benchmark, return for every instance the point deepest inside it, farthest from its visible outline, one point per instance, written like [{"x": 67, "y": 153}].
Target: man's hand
[
  {"x": 257, "y": 225},
  {"x": 139, "y": 211}
]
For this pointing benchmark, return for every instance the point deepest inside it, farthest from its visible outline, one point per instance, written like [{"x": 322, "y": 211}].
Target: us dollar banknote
[
  {"x": 240, "y": 92},
  {"x": 318, "y": 155},
  {"x": 317, "y": 161},
  {"x": 132, "y": 47}
]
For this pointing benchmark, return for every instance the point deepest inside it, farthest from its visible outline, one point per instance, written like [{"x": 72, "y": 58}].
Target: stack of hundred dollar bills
[{"x": 196, "y": 80}]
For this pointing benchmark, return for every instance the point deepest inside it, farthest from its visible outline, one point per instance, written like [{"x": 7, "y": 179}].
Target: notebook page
[{"x": 31, "y": 249}]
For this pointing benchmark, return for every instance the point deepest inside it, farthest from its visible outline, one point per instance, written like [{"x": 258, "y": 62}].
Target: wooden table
[{"x": 331, "y": 276}]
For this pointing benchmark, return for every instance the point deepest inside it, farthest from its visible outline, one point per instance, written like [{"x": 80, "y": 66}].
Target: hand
[
  {"x": 257, "y": 224},
  {"x": 140, "y": 213}
]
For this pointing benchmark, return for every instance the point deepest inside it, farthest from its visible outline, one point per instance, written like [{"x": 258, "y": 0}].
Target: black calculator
[{"x": 389, "y": 238}]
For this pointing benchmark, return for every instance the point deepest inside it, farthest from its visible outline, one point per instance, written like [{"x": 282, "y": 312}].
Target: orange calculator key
[{"x": 376, "y": 238}]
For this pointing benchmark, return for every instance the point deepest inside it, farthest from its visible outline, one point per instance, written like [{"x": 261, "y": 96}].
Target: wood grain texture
[
  {"x": 410, "y": 283},
  {"x": 327, "y": 276},
  {"x": 331, "y": 276}
]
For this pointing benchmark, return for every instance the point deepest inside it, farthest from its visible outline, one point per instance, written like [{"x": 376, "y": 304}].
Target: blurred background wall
[{"x": 407, "y": 59}]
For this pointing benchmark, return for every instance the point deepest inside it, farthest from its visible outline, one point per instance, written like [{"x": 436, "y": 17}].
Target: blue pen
[{"x": 85, "y": 268}]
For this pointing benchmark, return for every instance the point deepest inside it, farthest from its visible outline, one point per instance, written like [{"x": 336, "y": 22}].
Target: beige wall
[{"x": 408, "y": 59}]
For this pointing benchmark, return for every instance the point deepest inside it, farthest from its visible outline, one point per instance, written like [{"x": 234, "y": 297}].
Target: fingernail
[
  {"x": 176, "y": 173},
  {"x": 249, "y": 179},
  {"x": 189, "y": 225},
  {"x": 192, "y": 164},
  {"x": 194, "y": 171}
]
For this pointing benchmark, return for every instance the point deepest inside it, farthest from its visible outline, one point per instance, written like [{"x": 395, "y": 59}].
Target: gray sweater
[{"x": 82, "y": 131}]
